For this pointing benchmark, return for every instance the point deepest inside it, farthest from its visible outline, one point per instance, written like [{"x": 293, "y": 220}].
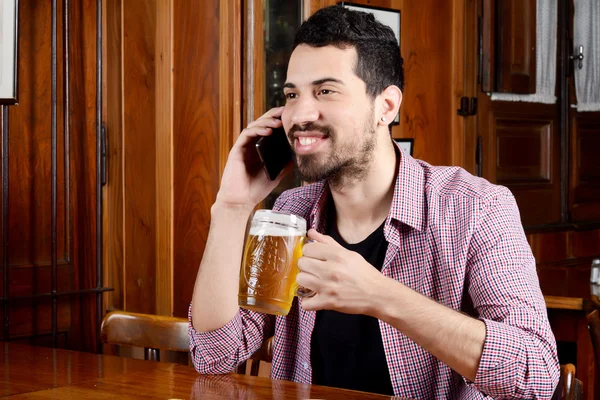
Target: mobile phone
[{"x": 275, "y": 152}]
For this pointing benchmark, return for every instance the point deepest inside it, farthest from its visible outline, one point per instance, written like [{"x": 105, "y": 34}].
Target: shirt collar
[{"x": 408, "y": 203}]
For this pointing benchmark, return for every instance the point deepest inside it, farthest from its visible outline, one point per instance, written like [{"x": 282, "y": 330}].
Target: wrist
[
  {"x": 383, "y": 302},
  {"x": 222, "y": 209}
]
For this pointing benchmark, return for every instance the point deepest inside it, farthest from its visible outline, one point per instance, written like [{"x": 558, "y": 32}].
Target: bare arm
[
  {"x": 215, "y": 293},
  {"x": 243, "y": 186},
  {"x": 454, "y": 338}
]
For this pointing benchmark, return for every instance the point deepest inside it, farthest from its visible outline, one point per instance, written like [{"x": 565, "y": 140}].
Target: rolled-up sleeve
[
  {"x": 519, "y": 358},
  {"x": 222, "y": 350}
]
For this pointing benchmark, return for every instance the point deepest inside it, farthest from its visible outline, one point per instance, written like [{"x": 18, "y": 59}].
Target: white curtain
[
  {"x": 586, "y": 23},
  {"x": 545, "y": 56}
]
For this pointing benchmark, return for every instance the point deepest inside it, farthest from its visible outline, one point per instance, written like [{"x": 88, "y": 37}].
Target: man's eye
[
  {"x": 290, "y": 96},
  {"x": 324, "y": 91}
]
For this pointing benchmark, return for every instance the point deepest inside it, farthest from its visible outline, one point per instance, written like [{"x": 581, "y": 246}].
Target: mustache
[{"x": 326, "y": 130}]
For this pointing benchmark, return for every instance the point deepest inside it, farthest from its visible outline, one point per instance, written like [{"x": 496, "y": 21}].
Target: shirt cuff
[
  {"x": 499, "y": 360},
  {"x": 210, "y": 348}
]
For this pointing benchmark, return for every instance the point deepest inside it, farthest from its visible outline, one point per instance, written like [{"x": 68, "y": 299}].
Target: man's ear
[{"x": 390, "y": 100}]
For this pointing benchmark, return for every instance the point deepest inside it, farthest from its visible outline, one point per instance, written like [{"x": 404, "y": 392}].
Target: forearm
[
  {"x": 214, "y": 302},
  {"x": 454, "y": 338}
]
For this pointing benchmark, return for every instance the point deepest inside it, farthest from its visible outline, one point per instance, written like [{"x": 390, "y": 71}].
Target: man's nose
[{"x": 304, "y": 111}]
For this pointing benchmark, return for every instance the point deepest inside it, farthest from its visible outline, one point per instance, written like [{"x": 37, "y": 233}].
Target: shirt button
[{"x": 305, "y": 365}]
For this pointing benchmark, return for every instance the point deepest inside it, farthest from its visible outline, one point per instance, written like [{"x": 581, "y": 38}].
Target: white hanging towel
[
  {"x": 586, "y": 23},
  {"x": 545, "y": 57}
]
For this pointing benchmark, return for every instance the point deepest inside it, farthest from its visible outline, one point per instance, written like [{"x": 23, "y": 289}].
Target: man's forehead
[{"x": 309, "y": 64}]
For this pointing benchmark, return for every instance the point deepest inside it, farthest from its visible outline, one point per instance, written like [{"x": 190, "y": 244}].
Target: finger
[
  {"x": 313, "y": 303},
  {"x": 316, "y": 250},
  {"x": 308, "y": 281},
  {"x": 319, "y": 237},
  {"x": 274, "y": 112},
  {"x": 266, "y": 122},
  {"x": 312, "y": 266}
]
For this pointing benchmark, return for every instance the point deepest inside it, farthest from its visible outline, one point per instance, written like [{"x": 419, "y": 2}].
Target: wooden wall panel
[
  {"x": 429, "y": 100},
  {"x": 522, "y": 151},
  {"x": 29, "y": 147},
  {"x": 83, "y": 170},
  {"x": 164, "y": 157},
  {"x": 113, "y": 191},
  {"x": 195, "y": 121},
  {"x": 30, "y": 126},
  {"x": 564, "y": 259},
  {"x": 585, "y": 167},
  {"x": 515, "y": 50},
  {"x": 139, "y": 152}
]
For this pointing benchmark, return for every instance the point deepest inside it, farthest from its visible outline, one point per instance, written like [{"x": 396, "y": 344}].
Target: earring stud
[{"x": 383, "y": 119}]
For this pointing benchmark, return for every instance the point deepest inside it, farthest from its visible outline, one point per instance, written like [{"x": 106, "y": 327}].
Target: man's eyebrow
[{"x": 318, "y": 82}]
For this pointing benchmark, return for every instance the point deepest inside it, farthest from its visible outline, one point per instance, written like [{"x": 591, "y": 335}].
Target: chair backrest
[
  {"x": 593, "y": 319},
  {"x": 569, "y": 387},
  {"x": 152, "y": 332},
  {"x": 155, "y": 333}
]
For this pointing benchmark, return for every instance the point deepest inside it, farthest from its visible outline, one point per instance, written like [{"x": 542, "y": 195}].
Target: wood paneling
[
  {"x": 30, "y": 233},
  {"x": 230, "y": 78},
  {"x": 515, "y": 46},
  {"x": 564, "y": 259},
  {"x": 29, "y": 224},
  {"x": 429, "y": 100},
  {"x": 83, "y": 169},
  {"x": 585, "y": 167},
  {"x": 177, "y": 110},
  {"x": 164, "y": 157},
  {"x": 522, "y": 151},
  {"x": 139, "y": 141},
  {"x": 196, "y": 123},
  {"x": 113, "y": 191}
]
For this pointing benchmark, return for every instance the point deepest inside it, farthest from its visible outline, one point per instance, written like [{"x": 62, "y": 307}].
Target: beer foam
[{"x": 275, "y": 230}]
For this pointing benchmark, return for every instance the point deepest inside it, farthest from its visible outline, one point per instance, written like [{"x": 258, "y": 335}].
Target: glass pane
[{"x": 282, "y": 20}]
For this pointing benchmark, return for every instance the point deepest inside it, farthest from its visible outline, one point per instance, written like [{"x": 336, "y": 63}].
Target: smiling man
[{"x": 425, "y": 284}]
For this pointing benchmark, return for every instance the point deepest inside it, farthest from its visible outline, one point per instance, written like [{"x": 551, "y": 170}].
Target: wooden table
[{"x": 28, "y": 372}]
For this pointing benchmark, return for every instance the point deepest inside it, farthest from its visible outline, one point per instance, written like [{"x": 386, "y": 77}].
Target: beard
[{"x": 349, "y": 161}]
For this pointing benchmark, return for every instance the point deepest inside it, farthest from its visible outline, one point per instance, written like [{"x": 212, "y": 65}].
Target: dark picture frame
[
  {"x": 407, "y": 144},
  {"x": 9, "y": 39},
  {"x": 386, "y": 16}
]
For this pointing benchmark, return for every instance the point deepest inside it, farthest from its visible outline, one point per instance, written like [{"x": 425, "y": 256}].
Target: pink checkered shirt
[{"x": 456, "y": 239}]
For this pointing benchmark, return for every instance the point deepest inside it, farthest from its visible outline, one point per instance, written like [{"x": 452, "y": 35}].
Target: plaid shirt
[{"x": 456, "y": 239}]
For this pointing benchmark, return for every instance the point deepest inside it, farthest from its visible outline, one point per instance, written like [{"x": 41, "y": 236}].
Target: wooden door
[
  {"x": 29, "y": 236},
  {"x": 521, "y": 145}
]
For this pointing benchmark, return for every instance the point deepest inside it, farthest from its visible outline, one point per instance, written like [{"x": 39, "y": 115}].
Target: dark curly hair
[{"x": 379, "y": 62}]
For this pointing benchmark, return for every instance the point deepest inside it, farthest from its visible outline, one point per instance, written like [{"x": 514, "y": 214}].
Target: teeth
[{"x": 304, "y": 141}]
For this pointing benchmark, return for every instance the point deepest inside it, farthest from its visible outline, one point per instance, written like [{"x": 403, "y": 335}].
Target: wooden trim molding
[
  {"x": 164, "y": 157},
  {"x": 230, "y": 75},
  {"x": 564, "y": 303}
]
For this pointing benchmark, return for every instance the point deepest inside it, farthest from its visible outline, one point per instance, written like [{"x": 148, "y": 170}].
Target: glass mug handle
[{"x": 302, "y": 291}]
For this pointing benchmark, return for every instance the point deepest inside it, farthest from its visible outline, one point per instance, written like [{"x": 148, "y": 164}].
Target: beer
[{"x": 270, "y": 262}]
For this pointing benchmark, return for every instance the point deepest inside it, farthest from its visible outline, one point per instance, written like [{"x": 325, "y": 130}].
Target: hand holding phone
[{"x": 275, "y": 152}]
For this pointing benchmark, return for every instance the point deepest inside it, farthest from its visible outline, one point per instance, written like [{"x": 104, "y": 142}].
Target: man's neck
[{"x": 362, "y": 206}]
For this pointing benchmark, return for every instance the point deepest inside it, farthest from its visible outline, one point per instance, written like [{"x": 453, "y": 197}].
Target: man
[{"x": 425, "y": 284}]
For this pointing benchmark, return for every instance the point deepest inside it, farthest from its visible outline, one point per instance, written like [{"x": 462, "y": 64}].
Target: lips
[{"x": 307, "y": 144}]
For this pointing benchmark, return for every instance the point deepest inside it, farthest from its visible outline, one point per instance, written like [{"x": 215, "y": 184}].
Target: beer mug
[{"x": 273, "y": 246}]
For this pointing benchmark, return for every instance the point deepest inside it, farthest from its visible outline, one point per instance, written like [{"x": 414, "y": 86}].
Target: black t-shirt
[{"x": 347, "y": 350}]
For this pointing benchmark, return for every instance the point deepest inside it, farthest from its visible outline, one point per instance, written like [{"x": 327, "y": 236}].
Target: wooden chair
[
  {"x": 152, "y": 332},
  {"x": 593, "y": 319},
  {"x": 569, "y": 387},
  {"x": 155, "y": 333}
]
